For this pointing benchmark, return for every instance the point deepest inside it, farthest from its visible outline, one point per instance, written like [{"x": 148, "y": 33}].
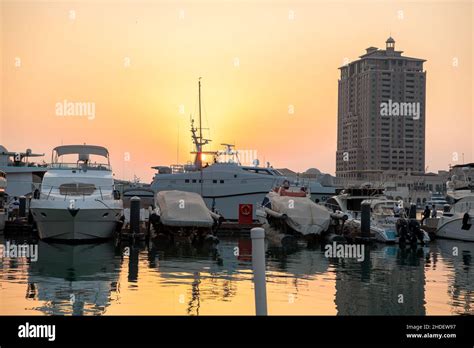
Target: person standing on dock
[
  {"x": 426, "y": 214},
  {"x": 396, "y": 210},
  {"x": 433, "y": 211}
]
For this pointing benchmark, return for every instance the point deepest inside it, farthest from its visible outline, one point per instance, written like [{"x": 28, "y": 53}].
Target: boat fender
[
  {"x": 215, "y": 216},
  {"x": 466, "y": 219}
]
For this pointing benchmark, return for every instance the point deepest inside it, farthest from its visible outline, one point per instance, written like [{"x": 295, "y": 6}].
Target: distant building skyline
[{"x": 381, "y": 114}]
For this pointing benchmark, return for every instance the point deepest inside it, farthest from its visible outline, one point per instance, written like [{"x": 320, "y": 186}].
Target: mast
[
  {"x": 200, "y": 120},
  {"x": 200, "y": 137}
]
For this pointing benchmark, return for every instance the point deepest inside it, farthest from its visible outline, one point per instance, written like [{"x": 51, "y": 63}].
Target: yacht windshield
[
  {"x": 383, "y": 210},
  {"x": 77, "y": 189}
]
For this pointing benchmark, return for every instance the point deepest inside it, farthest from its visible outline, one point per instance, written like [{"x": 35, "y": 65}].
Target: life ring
[{"x": 245, "y": 210}]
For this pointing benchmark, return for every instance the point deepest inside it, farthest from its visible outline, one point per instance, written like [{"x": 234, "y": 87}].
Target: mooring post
[
  {"x": 135, "y": 214},
  {"x": 22, "y": 211},
  {"x": 365, "y": 219},
  {"x": 412, "y": 213},
  {"x": 258, "y": 264}
]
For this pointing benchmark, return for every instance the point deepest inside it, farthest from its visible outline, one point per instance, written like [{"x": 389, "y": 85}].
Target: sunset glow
[{"x": 269, "y": 76}]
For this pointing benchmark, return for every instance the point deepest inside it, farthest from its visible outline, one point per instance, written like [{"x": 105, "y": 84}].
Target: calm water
[{"x": 106, "y": 279}]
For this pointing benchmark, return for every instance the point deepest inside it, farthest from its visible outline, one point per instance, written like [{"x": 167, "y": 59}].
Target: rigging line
[{"x": 207, "y": 121}]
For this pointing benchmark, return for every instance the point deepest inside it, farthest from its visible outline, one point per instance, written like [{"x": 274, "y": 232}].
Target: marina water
[{"x": 113, "y": 279}]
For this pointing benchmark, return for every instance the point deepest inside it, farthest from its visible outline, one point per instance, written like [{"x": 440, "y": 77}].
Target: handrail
[
  {"x": 93, "y": 166},
  {"x": 51, "y": 189}
]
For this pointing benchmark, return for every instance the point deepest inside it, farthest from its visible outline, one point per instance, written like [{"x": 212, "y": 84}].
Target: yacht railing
[{"x": 81, "y": 166}]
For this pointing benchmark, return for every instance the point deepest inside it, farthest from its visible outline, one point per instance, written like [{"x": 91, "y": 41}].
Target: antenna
[{"x": 177, "y": 146}]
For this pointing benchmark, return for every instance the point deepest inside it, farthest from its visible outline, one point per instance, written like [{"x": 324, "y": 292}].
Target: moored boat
[
  {"x": 180, "y": 214},
  {"x": 77, "y": 201},
  {"x": 457, "y": 223},
  {"x": 292, "y": 210}
]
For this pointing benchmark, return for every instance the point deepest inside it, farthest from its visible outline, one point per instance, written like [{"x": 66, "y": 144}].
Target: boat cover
[
  {"x": 179, "y": 208},
  {"x": 303, "y": 215}
]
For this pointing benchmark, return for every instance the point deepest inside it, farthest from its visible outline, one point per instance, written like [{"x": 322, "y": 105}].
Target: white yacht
[
  {"x": 438, "y": 200},
  {"x": 457, "y": 223},
  {"x": 224, "y": 184},
  {"x": 3, "y": 208},
  {"x": 382, "y": 218},
  {"x": 77, "y": 201},
  {"x": 23, "y": 174}
]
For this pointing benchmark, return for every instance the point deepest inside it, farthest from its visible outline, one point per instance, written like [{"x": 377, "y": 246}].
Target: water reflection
[
  {"x": 218, "y": 268},
  {"x": 390, "y": 281},
  {"x": 460, "y": 257},
  {"x": 156, "y": 278},
  {"x": 74, "y": 279}
]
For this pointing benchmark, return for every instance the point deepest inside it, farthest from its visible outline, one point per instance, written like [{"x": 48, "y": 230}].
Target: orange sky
[{"x": 169, "y": 44}]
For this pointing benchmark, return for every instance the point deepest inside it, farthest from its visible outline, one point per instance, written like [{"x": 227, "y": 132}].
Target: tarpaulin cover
[
  {"x": 179, "y": 208},
  {"x": 304, "y": 215}
]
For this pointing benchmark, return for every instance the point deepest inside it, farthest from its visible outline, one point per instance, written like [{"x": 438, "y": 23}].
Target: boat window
[
  {"x": 186, "y": 181},
  {"x": 258, "y": 171},
  {"x": 214, "y": 181},
  {"x": 194, "y": 181},
  {"x": 383, "y": 210},
  {"x": 333, "y": 204},
  {"x": 221, "y": 181},
  {"x": 77, "y": 189}
]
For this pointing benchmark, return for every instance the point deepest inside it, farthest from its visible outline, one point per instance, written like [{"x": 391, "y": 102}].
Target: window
[{"x": 77, "y": 189}]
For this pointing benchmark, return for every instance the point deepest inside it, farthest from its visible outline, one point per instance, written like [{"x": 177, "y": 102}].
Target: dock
[{"x": 234, "y": 229}]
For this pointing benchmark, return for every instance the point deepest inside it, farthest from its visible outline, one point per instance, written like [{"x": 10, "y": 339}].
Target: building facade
[{"x": 381, "y": 114}]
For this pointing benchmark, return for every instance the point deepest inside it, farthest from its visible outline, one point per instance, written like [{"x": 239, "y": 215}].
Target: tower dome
[{"x": 390, "y": 44}]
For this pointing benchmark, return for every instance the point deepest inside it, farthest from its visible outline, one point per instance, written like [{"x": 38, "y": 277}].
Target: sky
[{"x": 269, "y": 76}]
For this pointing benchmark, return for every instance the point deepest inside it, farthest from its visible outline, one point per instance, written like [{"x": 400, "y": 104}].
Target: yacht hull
[
  {"x": 86, "y": 222},
  {"x": 452, "y": 228}
]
